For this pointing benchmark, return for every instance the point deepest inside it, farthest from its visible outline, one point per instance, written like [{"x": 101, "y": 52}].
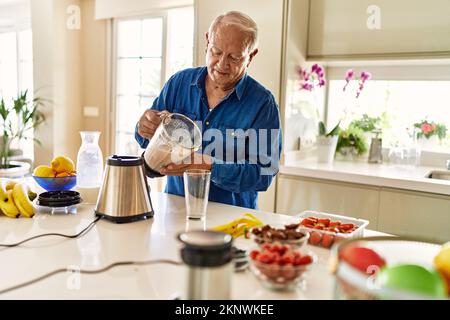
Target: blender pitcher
[{"x": 176, "y": 139}]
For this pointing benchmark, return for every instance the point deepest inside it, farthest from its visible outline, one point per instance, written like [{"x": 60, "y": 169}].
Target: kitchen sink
[{"x": 441, "y": 175}]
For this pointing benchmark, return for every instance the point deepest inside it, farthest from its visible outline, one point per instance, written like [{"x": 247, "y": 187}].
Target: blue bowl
[{"x": 57, "y": 184}]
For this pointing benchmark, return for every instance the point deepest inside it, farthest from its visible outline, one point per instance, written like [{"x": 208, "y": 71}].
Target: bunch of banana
[
  {"x": 239, "y": 226},
  {"x": 16, "y": 199}
]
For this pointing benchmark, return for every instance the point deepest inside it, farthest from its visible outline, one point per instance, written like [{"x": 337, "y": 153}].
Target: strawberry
[
  {"x": 324, "y": 222},
  {"x": 304, "y": 260},
  {"x": 307, "y": 222},
  {"x": 254, "y": 254},
  {"x": 346, "y": 227},
  {"x": 288, "y": 259},
  {"x": 315, "y": 238},
  {"x": 327, "y": 240},
  {"x": 334, "y": 224}
]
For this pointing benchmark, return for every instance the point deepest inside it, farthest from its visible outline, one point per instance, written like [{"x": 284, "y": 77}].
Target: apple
[{"x": 362, "y": 258}]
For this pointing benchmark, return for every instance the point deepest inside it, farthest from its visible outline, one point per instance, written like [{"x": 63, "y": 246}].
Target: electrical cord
[
  {"x": 113, "y": 265},
  {"x": 54, "y": 234}
]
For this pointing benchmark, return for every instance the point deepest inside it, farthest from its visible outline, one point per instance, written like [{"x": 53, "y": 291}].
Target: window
[
  {"x": 401, "y": 97},
  {"x": 148, "y": 51},
  {"x": 16, "y": 73}
]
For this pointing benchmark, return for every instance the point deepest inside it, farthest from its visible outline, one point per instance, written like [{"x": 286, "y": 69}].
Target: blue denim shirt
[{"x": 249, "y": 106}]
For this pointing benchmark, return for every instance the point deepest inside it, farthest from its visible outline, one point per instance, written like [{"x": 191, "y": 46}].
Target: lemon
[
  {"x": 44, "y": 172},
  {"x": 63, "y": 164},
  {"x": 442, "y": 261}
]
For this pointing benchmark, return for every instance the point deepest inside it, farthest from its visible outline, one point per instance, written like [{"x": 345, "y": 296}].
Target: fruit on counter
[
  {"x": 328, "y": 225},
  {"x": 327, "y": 231},
  {"x": 44, "y": 172},
  {"x": 412, "y": 278},
  {"x": 7, "y": 205},
  {"x": 239, "y": 226},
  {"x": 63, "y": 164},
  {"x": 61, "y": 167},
  {"x": 22, "y": 201},
  {"x": 280, "y": 255},
  {"x": 364, "y": 259},
  {"x": 280, "y": 263},
  {"x": 16, "y": 199},
  {"x": 289, "y": 234},
  {"x": 442, "y": 264}
]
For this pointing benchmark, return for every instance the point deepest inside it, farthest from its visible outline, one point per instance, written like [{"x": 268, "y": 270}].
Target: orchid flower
[{"x": 313, "y": 78}]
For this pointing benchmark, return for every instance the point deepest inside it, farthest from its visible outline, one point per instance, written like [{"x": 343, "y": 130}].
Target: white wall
[{"x": 57, "y": 67}]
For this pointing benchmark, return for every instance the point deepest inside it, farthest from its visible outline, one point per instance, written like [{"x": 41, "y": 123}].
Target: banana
[
  {"x": 23, "y": 203},
  {"x": 239, "y": 226},
  {"x": 239, "y": 231},
  {"x": 7, "y": 204},
  {"x": 8, "y": 184},
  {"x": 253, "y": 217}
]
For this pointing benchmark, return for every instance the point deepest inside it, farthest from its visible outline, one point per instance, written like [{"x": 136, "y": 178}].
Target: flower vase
[{"x": 326, "y": 148}]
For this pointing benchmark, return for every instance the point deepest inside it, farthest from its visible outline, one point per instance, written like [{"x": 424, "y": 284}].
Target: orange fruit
[{"x": 63, "y": 174}]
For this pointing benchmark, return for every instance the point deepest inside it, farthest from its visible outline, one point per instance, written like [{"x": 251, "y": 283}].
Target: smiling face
[{"x": 227, "y": 55}]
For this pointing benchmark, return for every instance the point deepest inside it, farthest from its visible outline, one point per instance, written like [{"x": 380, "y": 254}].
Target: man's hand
[
  {"x": 149, "y": 122},
  {"x": 198, "y": 161}
]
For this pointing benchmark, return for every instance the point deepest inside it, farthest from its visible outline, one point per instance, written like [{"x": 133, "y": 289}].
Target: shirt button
[{"x": 207, "y": 123}]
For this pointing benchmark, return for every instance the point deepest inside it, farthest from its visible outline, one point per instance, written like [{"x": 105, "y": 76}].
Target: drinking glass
[{"x": 196, "y": 192}]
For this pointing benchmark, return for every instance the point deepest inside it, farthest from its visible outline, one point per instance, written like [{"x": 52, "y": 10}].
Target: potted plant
[
  {"x": 351, "y": 143},
  {"x": 429, "y": 134},
  {"x": 16, "y": 120},
  {"x": 326, "y": 143}
]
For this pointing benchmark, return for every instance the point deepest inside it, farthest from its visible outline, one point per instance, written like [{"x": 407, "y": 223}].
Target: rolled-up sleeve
[{"x": 262, "y": 162}]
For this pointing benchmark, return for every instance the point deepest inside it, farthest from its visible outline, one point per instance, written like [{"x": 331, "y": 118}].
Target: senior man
[{"x": 225, "y": 100}]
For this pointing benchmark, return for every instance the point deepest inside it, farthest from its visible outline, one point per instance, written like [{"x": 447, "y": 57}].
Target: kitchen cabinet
[
  {"x": 400, "y": 212},
  {"x": 299, "y": 194},
  {"x": 406, "y": 213},
  {"x": 378, "y": 27}
]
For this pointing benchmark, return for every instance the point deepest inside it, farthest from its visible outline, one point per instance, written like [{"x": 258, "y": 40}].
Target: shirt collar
[{"x": 199, "y": 80}]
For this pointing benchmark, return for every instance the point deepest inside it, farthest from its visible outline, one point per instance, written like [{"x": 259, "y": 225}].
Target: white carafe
[{"x": 89, "y": 166}]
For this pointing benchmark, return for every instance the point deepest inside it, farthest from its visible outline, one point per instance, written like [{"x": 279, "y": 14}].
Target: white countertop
[
  {"x": 107, "y": 243},
  {"x": 382, "y": 175}
]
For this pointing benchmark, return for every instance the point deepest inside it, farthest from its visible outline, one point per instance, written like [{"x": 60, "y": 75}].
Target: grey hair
[{"x": 243, "y": 21}]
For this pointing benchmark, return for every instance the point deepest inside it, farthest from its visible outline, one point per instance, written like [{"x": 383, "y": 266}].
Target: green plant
[
  {"x": 352, "y": 137},
  {"x": 323, "y": 130},
  {"x": 16, "y": 121},
  {"x": 428, "y": 129},
  {"x": 367, "y": 124}
]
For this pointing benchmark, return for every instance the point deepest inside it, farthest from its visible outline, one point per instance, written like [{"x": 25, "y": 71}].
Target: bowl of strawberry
[
  {"x": 327, "y": 229},
  {"x": 278, "y": 266}
]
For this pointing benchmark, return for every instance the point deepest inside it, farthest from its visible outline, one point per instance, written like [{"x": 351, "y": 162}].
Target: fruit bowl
[
  {"x": 284, "y": 235},
  {"x": 56, "y": 183},
  {"x": 280, "y": 267},
  {"x": 407, "y": 271}
]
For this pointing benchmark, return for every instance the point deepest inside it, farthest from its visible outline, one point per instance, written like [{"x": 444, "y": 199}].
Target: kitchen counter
[
  {"x": 107, "y": 243},
  {"x": 381, "y": 175}
]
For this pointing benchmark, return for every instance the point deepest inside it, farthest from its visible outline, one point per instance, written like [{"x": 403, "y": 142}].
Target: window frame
[
  {"x": 114, "y": 63},
  {"x": 17, "y": 30},
  {"x": 401, "y": 70}
]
